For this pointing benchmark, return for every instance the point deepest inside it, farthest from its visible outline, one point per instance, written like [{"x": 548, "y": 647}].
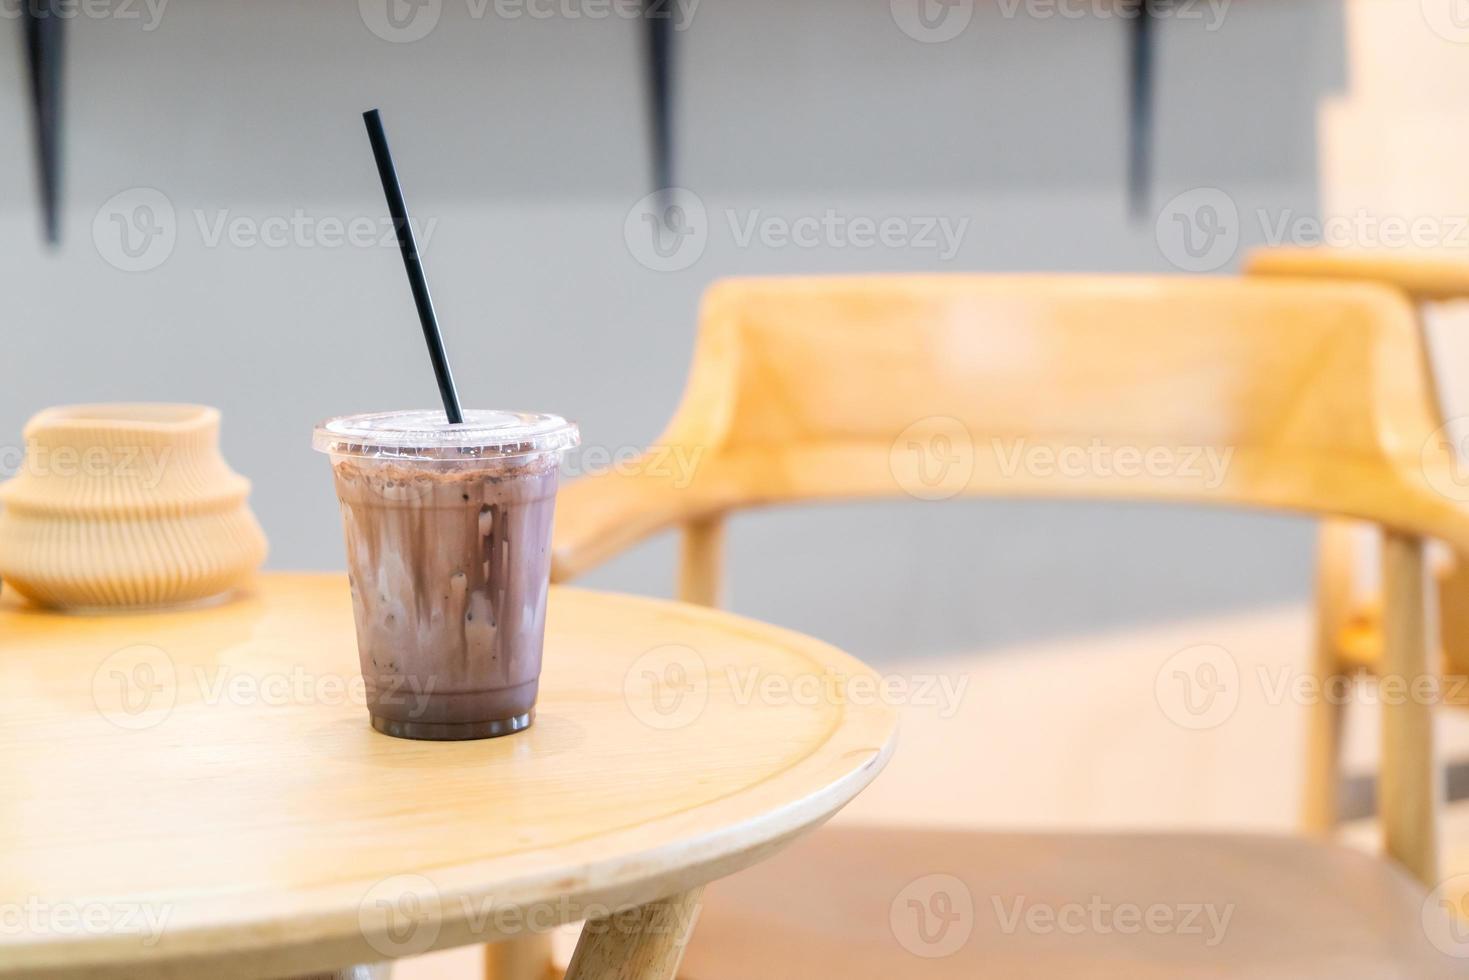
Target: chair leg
[
  {"x": 1453, "y": 618},
  {"x": 524, "y": 957},
  {"x": 1335, "y": 554},
  {"x": 368, "y": 971},
  {"x": 700, "y": 561},
  {"x": 1410, "y": 788},
  {"x": 1320, "y": 805},
  {"x": 643, "y": 944}
]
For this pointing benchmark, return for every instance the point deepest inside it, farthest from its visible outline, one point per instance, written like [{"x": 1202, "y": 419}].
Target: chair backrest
[
  {"x": 1306, "y": 396},
  {"x": 1301, "y": 396}
]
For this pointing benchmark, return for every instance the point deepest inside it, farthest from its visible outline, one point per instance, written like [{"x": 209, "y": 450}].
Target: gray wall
[{"x": 523, "y": 140}]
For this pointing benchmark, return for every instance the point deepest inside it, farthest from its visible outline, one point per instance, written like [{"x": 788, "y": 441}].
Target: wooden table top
[{"x": 199, "y": 793}]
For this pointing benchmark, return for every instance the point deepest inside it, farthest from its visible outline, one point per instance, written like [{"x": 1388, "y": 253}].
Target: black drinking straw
[{"x": 413, "y": 265}]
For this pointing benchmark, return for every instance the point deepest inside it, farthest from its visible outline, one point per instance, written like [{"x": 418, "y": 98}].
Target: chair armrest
[
  {"x": 1425, "y": 275},
  {"x": 603, "y": 514}
]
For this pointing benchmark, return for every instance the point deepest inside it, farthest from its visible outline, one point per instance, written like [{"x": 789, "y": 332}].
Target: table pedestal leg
[{"x": 646, "y": 943}]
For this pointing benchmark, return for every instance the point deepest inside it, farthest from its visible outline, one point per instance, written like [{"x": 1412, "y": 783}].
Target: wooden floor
[{"x": 1081, "y": 733}]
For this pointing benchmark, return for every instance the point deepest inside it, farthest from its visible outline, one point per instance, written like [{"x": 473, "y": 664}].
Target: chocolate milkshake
[{"x": 448, "y": 534}]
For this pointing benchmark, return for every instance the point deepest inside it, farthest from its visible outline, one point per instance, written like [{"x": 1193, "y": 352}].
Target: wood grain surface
[{"x": 199, "y": 793}]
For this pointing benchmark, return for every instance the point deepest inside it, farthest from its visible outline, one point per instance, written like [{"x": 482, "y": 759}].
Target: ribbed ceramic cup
[{"x": 126, "y": 506}]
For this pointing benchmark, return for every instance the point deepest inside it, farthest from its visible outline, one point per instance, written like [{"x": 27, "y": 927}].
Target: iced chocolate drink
[{"x": 448, "y": 532}]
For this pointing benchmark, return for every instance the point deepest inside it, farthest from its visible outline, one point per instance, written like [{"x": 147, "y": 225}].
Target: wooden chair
[
  {"x": 1348, "y": 617},
  {"x": 805, "y": 390}
]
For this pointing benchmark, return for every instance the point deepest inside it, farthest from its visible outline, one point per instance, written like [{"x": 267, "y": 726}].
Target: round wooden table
[{"x": 198, "y": 793}]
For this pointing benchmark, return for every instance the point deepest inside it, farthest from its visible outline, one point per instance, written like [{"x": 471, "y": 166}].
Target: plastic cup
[{"x": 448, "y": 531}]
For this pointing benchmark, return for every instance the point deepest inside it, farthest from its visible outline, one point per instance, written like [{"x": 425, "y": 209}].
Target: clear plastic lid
[{"x": 427, "y": 434}]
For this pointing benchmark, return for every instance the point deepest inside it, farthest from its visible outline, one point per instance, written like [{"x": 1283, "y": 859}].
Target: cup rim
[{"x": 419, "y": 434}]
